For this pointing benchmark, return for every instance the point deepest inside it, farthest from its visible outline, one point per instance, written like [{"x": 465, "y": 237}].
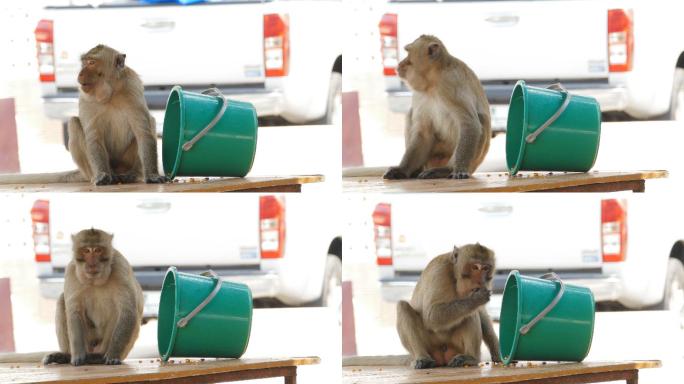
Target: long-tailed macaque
[
  {"x": 113, "y": 139},
  {"x": 448, "y": 128},
  {"x": 99, "y": 314},
  {"x": 445, "y": 321}
]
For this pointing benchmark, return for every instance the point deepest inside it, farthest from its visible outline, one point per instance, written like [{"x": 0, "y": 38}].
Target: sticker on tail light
[
  {"x": 382, "y": 227},
  {"x": 45, "y": 50},
  {"x": 271, "y": 227},
  {"x": 276, "y": 45},
  {"x": 620, "y": 40},
  {"x": 613, "y": 230},
  {"x": 40, "y": 219},
  {"x": 389, "y": 44}
]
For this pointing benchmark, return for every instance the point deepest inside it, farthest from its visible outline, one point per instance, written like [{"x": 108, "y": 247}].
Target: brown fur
[
  {"x": 445, "y": 321},
  {"x": 448, "y": 128},
  {"x": 99, "y": 314},
  {"x": 113, "y": 139}
]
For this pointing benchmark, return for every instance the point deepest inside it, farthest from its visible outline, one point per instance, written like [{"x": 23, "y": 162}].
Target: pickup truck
[
  {"x": 286, "y": 249},
  {"x": 629, "y": 252},
  {"x": 620, "y": 52},
  {"x": 267, "y": 52}
]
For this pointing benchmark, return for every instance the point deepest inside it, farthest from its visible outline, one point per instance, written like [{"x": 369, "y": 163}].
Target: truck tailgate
[
  {"x": 510, "y": 40},
  {"x": 523, "y": 231},
  {"x": 153, "y": 231},
  {"x": 209, "y": 44}
]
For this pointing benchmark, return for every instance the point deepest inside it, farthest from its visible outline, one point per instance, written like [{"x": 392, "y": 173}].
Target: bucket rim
[
  {"x": 514, "y": 275},
  {"x": 523, "y": 132},
  {"x": 181, "y": 127},
  {"x": 173, "y": 272}
]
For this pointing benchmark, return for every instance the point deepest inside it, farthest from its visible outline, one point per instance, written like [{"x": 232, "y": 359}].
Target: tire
[
  {"x": 677, "y": 101},
  {"x": 331, "y": 293},
  {"x": 334, "y": 105},
  {"x": 673, "y": 297}
]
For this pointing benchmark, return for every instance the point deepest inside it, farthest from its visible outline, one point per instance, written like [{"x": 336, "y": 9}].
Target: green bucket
[
  {"x": 545, "y": 319},
  {"x": 549, "y": 129},
  {"x": 202, "y": 316},
  {"x": 206, "y": 134}
]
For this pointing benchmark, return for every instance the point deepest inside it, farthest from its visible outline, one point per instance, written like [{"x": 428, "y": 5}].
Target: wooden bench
[
  {"x": 182, "y": 184},
  {"x": 501, "y": 182},
  {"x": 527, "y": 373},
  {"x": 177, "y": 370}
]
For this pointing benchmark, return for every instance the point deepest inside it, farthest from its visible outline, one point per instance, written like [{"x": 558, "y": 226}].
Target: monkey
[
  {"x": 445, "y": 321},
  {"x": 448, "y": 127},
  {"x": 99, "y": 313},
  {"x": 113, "y": 138}
]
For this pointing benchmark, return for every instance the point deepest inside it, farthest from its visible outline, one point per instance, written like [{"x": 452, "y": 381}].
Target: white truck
[
  {"x": 288, "y": 250},
  {"x": 285, "y": 57},
  {"x": 623, "y": 53},
  {"x": 629, "y": 252}
]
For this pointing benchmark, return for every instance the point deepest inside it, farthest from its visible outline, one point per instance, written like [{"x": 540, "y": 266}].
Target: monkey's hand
[
  {"x": 156, "y": 179},
  {"x": 395, "y": 173},
  {"x": 103, "y": 179},
  {"x": 480, "y": 296}
]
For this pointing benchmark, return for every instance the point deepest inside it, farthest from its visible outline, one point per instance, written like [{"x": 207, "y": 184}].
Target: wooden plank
[
  {"x": 352, "y": 150},
  {"x": 519, "y": 373},
  {"x": 9, "y": 148},
  {"x": 6, "y": 324},
  {"x": 502, "y": 182},
  {"x": 250, "y": 374},
  {"x": 184, "y": 184},
  {"x": 140, "y": 370},
  {"x": 597, "y": 377}
]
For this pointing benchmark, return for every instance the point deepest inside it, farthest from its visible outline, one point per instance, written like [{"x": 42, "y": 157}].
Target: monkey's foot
[
  {"x": 394, "y": 173},
  {"x": 435, "y": 173},
  {"x": 124, "y": 178},
  {"x": 77, "y": 360},
  {"x": 57, "y": 358},
  {"x": 157, "y": 179},
  {"x": 459, "y": 175},
  {"x": 112, "y": 361},
  {"x": 103, "y": 179},
  {"x": 425, "y": 363},
  {"x": 463, "y": 361}
]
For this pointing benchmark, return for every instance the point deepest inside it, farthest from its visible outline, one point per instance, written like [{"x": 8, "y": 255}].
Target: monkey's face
[
  {"x": 94, "y": 262},
  {"x": 98, "y": 67},
  {"x": 480, "y": 274},
  {"x": 419, "y": 66}
]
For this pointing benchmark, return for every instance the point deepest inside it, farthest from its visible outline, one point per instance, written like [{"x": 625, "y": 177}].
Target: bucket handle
[
  {"x": 558, "y": 87},
  {"x": 224, "y": 105},
  {"x": 184, "y": 321},
  {"x": 549, "y": 276}
]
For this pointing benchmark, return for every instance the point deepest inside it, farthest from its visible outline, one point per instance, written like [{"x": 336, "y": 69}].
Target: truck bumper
[
  {"x": 267, "y": 102},
  {"x": 604, "y": 287},
  {"x": 261, "y": 283},
  {"x": 611, "y": 97}
]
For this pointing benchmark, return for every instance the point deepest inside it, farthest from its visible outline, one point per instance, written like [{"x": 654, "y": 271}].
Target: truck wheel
[
  {"x": 673, "y": 299},
  {"x": 677, "y": 101},
  {"x": 331, "y": 294},
  {"x": 334, "y": 99}
]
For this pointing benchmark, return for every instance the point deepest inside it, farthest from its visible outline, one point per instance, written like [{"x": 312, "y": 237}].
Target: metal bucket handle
[
  {"x": 184, "y": 321},
  {"x": 549, "y": 276},
  {"x": 224, "y": 105},
  {"x": 558, "y": 87}
]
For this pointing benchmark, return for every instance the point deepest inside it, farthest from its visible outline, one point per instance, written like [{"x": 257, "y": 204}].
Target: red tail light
[
  {"x": 276, "y": 45},
  {"x": 389, "y": 44},
  {"x": 382, "y": 221},
  {"x": 40, "y": 217},
  {"x": 620, "y": 40},
  {"x": 45, "y": 49},
  {"x": 271, "y": 227},
  {"x": 613, "y": 230}
]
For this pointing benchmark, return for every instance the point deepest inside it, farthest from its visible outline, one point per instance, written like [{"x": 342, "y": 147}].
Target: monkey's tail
[
  {"x": 32, "y": 357},
  {"x": 391, "y": 360},
  {"x": 364, "y": 171},
  {"x": 43, "y": 178}
]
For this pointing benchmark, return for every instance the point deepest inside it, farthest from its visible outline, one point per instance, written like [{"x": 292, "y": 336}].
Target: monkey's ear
[
  {"x": 120, "y": 60},
  {"x": 454, "y": 253},
  {"x": 434, "y": 50}
]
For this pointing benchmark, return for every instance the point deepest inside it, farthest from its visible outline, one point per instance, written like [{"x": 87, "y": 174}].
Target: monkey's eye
[
  {"x": 90, "y": 62},
  {"x": 486, "y": 268},
  {"x": 474, "y": 267},
  {"x": 97, "y": 251}
]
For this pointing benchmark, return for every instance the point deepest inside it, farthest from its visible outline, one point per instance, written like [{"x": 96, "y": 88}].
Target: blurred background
[
  {"x": 626, "y": 54},
  {"x": 261, "y": 52},
  {"x": 629, "y": 250},
  {"x": 287, "y": 249}
]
